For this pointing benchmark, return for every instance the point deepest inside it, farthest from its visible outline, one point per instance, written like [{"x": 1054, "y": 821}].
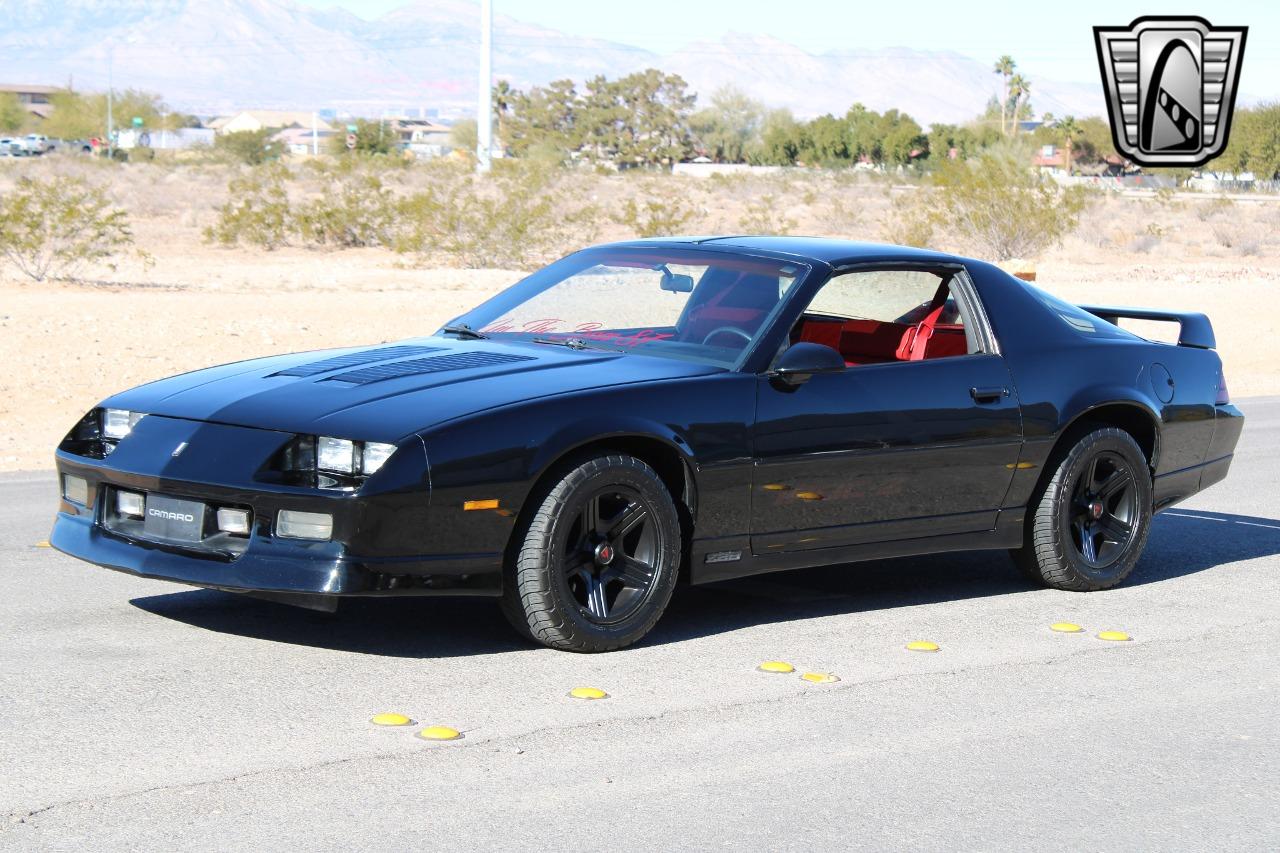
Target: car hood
[{"x": 387, "y": 392}]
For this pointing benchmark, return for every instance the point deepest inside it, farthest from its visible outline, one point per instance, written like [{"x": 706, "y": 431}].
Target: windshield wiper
[
  {"x": 462, "y": 330},
  {"x": 571, "y": 343}
]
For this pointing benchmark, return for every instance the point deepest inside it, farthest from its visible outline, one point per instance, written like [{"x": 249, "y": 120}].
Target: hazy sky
[{"x": 1049, "y": 39}]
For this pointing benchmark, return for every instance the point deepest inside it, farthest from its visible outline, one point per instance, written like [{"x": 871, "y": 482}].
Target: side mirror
[
  {"x": 803, "y": 360},
  {"x": 676, "y": 282}
]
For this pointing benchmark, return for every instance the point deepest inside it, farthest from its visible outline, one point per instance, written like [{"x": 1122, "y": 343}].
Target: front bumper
[{"x": 267, "y": 563}]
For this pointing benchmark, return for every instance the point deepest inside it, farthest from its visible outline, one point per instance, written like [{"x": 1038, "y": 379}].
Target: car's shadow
[{"x": 1182, "y": 542}]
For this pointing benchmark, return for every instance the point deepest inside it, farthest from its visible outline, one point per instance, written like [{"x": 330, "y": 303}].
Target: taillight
[{"x": 1224, "y": 396}]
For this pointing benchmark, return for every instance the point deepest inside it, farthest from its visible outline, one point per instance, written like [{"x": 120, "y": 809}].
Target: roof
[
  {"x": 273, "y": 118},
  {"x": 31, "y": 89},
  {"x": 828, "y": 250}
]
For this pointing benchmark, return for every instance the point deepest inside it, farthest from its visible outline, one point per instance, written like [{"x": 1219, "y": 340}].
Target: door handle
[{"x": 988, "y": 395}]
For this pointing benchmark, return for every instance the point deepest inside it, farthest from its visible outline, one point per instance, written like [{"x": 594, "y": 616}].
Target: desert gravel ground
[{"x": 137, "y": 714}]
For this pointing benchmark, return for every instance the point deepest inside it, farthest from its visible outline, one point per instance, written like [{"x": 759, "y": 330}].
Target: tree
[
  {"x": 12, "y": 114},
  {"x": 79, "y": 116},
  {"x": 1254, "y": 145},
  {"x": 728, "y": 128},
  {"x": 1019, "y": 89},
  {"x": 1004, "y": 66},
  {"x": 780, "y": 138},
  {"x": 901, "y": 138},
  {"x": 1069, "y": 130}
]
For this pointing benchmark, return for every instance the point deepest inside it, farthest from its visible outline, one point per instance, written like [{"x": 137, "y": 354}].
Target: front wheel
[
  {"x": 598, "y": 560},
  {"x": 1088, "y": 524}
]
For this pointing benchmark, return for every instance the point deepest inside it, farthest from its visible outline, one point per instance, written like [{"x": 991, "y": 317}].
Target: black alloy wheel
[
  {"x": 594, "y": 562},
  {"x": 608, "y": 563},
  {"x": 1087, "y": 523},
  {"x": 1103, "y": 509}
]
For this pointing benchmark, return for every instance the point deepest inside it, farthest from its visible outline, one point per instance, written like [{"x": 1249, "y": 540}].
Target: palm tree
[
  {"x": 1019, "y": 87},
  {"x": 1004, "y": 67},
  {"x": 1070, "y": 129}
]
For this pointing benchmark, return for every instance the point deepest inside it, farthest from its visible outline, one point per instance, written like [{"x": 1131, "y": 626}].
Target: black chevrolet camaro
[{"x": 716, "y": 407}]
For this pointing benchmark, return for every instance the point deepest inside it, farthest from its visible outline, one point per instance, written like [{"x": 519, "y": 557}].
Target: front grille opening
[{"x": 213, "y": 542}]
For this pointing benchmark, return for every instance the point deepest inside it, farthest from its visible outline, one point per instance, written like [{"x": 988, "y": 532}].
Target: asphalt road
[{"x": 138, "y": 714}]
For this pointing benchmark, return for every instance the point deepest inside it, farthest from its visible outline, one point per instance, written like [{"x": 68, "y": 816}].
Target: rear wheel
[
  {"x": 598, "y": 560},
  {"x": 1087, "y": 526}
]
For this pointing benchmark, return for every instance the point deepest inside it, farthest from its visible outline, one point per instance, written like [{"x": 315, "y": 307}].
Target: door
[{"x": 917, "y": 437}]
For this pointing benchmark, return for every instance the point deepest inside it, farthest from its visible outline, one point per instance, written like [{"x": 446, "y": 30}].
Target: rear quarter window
[{"x": 1078, "y": 319}]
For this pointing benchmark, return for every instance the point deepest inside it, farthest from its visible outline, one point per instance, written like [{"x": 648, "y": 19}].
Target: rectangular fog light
[
  {"x": 131, "y": 504},
  {"x": 294, "y": 524},
  {"x": 234, "y": 521},
  {"x": 75, "y": 489}
]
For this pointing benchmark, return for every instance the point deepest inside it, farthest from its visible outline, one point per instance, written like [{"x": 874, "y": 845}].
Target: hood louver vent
[
  {"x": 416, "y": 366},
  {"x": 354, "y": 359}
]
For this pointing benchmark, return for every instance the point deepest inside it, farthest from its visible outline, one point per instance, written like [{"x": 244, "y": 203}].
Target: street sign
[
  {"x": 351, "y": 140},
  {"x": 137, "y": 122},
  {"x": 351, "y": 128}
]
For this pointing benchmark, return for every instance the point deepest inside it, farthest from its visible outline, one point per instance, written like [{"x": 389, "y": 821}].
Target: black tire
[
  {"x": 1087, "y": 525},
  {"x": 594, "y": 586}
]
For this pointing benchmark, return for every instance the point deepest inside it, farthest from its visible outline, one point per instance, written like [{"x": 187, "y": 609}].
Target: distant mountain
[{"x": 212, "y": 56}]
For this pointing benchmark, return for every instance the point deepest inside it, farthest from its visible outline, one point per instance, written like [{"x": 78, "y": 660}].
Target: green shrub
[
  {"x": 655, "y": 217},
  {"x": 355, "y": 210},
  {"x": 251, "y": 147},
  {"x": 994, "y": 205},
  {"x": 763, "y": 216},
  {"x": 258, "y": 212},
  {"x": 509, "y": 219},
  {"x": 54, "y": 228}
]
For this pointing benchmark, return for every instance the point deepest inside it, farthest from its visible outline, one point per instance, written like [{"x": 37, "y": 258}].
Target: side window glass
[{"x": 885, "y": 316}]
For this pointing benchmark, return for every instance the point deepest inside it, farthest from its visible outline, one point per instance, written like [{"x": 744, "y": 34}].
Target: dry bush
[
  {"x": 1224, "y": 235},
  {"x": 508, "y": 219},
  {"x": 56, "y": 227},
  {"x": 656, "y": 215},
  {"x": 258, "y": 212},
  {"x": 1205, "y": 211},
  {"x": 765, "y": 216},
  {"x": 994, "y": 206},
  {"x": 1143, "y": 243},
  {"x": 354, "y": 210}
]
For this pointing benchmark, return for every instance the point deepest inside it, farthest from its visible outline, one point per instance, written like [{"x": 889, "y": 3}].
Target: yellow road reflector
[
  {"x": 43, "y": 543},
  {"x": 439, "y": 733},
  {"x": 820, "y": 678},
  {"x": 776, "y": 666},
  {"x": 1115, "y": 636},
  {"x": 776, "y": 487},
  {"x": 922, "y": 646},
  {"x": 809, "y": 496},
  {"x": 1066, "y": 628},
  {"x": 588, "y": 693},
  {"x": 491, "y": 503},
  {"x": 390, "y": 720}
]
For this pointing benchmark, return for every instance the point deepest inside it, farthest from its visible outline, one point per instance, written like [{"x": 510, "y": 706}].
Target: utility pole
[
  {"x": 484, "y": 104},
  {"x": 111, "y": 50}
]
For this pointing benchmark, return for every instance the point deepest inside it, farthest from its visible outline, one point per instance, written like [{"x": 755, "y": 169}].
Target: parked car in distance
[
  {"x": 35, "y": 143},
  {"x": 703, "y": 408}
]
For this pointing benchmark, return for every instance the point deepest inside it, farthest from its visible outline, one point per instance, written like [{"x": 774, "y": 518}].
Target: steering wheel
[{"x": 732, "y": 330}]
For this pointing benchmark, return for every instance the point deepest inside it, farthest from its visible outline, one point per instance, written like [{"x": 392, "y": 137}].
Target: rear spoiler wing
[{"x": 1195, "y": 330}]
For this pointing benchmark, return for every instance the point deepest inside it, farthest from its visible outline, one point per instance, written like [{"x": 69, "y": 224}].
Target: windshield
[{"x": 694, "y": 305}]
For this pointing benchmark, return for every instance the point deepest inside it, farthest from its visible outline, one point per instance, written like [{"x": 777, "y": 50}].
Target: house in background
[
  {"x": 298, "y": 140},
  {"x": 422, "y": 137},
  {"x": 35, "y": 99}
]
